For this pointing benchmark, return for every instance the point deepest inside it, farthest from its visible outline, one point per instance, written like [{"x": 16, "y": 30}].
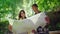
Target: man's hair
[{"x": 35, "y": 5}]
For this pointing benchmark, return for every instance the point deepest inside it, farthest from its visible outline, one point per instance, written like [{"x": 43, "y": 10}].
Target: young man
[{"x": 35, "y": 8}]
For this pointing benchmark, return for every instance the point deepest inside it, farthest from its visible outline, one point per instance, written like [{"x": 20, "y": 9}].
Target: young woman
[{"x": 22, "y": 15}]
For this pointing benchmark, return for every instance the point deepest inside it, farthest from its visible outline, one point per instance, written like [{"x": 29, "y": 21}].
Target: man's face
[{"x": 34, "y": 8}]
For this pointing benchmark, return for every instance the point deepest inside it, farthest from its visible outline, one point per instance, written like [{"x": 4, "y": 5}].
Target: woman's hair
[{"x": 20, "y": 14}]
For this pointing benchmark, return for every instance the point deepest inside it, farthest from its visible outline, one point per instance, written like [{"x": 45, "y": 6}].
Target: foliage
[
  {"x": 48, "y": 5},
  {"x": 3, "y": 27}
]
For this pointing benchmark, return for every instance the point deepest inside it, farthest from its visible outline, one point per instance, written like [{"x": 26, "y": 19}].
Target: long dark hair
[{"x": 20, "y": 14}]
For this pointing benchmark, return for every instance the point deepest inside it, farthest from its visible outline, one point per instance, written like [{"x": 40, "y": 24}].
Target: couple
[{"x": 23, "y": 16}]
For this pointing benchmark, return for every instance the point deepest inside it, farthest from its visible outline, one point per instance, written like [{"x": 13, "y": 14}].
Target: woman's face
[{"x": 22, "y": 14}]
